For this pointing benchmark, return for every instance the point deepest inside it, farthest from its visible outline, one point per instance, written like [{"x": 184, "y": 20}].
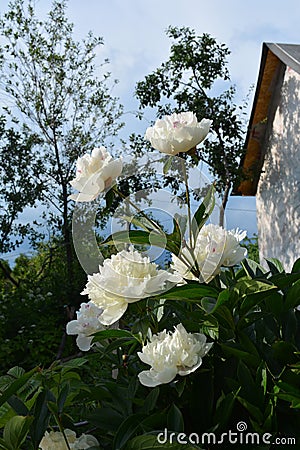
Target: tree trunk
[
  {"x": 8, "y": 275},
  {"x": 224, "y": 203},
  {"x": 67, "y": 240}
]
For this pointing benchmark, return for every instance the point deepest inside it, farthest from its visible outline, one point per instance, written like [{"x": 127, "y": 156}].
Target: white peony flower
[
  {"x": 94, "y": 174},
  {"x": 125, "y": 278},
  {"x": 86, "y": 324},
  {"x": 170, "y": 354},
  {"x": 55, "y": 440},
  {"x": 233, "y": 252},
  {"x": 85, "y": 441},
  {"x": 214, "y": 248},
  {"x": 177, "y": 133}
]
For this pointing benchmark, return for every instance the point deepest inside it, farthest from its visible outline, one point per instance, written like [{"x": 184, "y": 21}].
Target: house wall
[{"x": 278, "y": 194}]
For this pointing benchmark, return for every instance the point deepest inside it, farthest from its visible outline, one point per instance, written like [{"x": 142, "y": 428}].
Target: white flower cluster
[
  {"x": 54, "y": 440},
  {"x": 215, "y": 247},
  {"x": 94, "y": 174},
  {"x": 177, "y": 133},
  {"x": 128, "y": 277},
  {"x": 85, "y": 325},
  {"x": 170, "y": 354}
]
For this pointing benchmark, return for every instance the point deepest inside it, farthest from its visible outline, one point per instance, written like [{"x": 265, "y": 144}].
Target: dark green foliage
[
  {"x": 251, "y": 374},
  {"x": 19, "y": 188},
  {"x": 251, "y": 244},
  {"x": 34, "y": 313}
]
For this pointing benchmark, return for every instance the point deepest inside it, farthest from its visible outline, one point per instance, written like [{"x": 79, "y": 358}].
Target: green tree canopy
[
  {"x": 196, "y": 78},
  {"x": 56, "y": 86}
]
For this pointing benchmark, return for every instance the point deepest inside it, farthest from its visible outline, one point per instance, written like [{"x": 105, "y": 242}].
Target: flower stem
[
  {"x": 129, "y": 202},
  {"x": 188, "y": 201},
  {"x": 181, "y": 257}
]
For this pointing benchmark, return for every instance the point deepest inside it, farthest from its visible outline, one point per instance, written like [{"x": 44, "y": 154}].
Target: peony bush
[{"x": 195, "y": 348}]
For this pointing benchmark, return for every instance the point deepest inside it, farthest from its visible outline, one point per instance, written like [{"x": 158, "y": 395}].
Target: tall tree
[
  {"x": 19, "y": 169},
  {"x": 60, "y": 93},
  {"x": 190, "y": 80}
]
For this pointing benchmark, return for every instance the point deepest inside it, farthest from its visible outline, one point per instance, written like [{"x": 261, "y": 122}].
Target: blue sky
[{"x": 135, "y": 43}]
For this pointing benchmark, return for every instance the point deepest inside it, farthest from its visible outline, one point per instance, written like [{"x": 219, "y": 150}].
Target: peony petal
[
  {"x": 73, "y": 327},
  {"x": 152, "y": 378},
  {"x": 187, "y": 370},
  {"x": 84, "y": 342},
  {"x": 112, "y": 313}
]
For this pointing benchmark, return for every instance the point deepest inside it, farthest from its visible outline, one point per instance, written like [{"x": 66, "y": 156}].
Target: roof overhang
[{"x": 274, "y": 59}]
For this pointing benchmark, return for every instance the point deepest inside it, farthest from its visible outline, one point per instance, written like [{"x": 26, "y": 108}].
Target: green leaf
[
  {"x": 248, "y": 344},
  {"x": 252, "y": 268},
  {"x": 224, "y": 316},
  {"x": 250, "y": 318},
  {"x": 235, "y": 350},
  {"x": 192, "y": 292},
  {"x": 167, "y": 165},
  {"x": 289, "y": 393},
  {"x": 182, "y": 222},
  {"x": 63, "y": 397},
  {"x": 109, "y": 334},
  {"x": 140, "y": 237},
  {"x": 151, "y": 400},
  {"x": 296, "y": 266},
  {"x": 136, "y": 237},
  {"x": 285, "y": 352},
  {"x": 41, "y": 415},
  {"x": 125, "y": 431},
  {"x": 15, "y": 431},
  {"x": 223, "y": 297},
  {"x": 107, "y": 419},
  {"x": 119, "y": 397},
  {"x": 2, "y": 445},
  {"x": 16, "y": 372},
  {"x": 156, "y": 421},
  {"x": 251, "y": 301},
  {"x": 143, "y": 222},
  {"x": 175, "y": 236},
  {"x": 223, "y": 409},
  {"x": 18, "y": 406},
  {"x": 204, "y": 211},
  {"x": 274, "y": 265},
  {"x": 16, "y": 385},
  {"x": 274, "y": 303},
  {"x": 6, "y": 413},
  {"x": 53, "y": 408},
  {"x": 284, "y": 280},
  {"x": 119, "y": 343},
  {"x": 290, "y": 321},
  {"x": 254, "y": 411},
  {"x": 246, "y": 287},
  {"x": 175, "y": 419},
  {"x": 293, "y": 296},
  {"x": 73, "y": 364},
  {"x": 208, "y": 304}
]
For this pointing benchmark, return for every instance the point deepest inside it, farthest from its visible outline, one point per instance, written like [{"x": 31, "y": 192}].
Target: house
[{"x": 272, "y": 159}]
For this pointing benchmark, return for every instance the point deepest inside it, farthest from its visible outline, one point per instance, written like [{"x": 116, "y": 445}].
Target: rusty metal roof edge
[
  {"x": 281, "y": 51},
  {"x": 263, "y": 59},
  {"x": 256, "y": 95}
]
